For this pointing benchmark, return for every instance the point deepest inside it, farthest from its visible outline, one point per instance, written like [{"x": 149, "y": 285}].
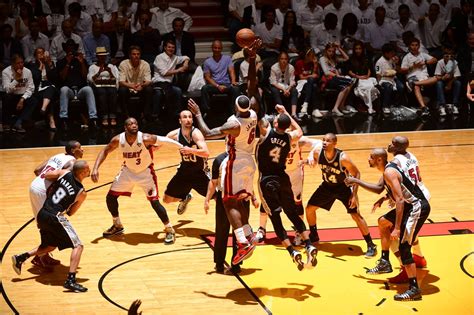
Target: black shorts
[
  {"x": 414, "y": 216},
  {"x": 182, "y": 183},
  {"x": 326, "y": 194},
  {"x": 276, "y": 193},
  {"x": 56, "y": 231}
]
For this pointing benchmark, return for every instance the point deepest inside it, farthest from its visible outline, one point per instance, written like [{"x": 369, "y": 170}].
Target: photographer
[{"x": 72, "y": 71}]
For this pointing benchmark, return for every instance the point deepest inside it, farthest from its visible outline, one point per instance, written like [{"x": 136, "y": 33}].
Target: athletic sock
[
  {"x": 307, "y": 243},
  {"x": 413, "y": 282},
  {"x": 240, "y": 236},
  {"x": 368, "y": 239},
  {"x": 71, "y": 276},
  {"x": 117, "y": 221},
  {"x": 290, "y": 249},
  {"x": 313, "y": 229},
  {"x": 385, "y": 254}
]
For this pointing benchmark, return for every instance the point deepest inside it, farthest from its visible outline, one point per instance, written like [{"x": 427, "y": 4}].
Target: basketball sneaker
[
  {"x": 170, "y": 236},
  {"x": 312, "y": 261},
  {"x": 17, "y": 261},
  {"x": 371, "y": 251},
  {"x": 402, "y": 277},
  {"x": 261, "y": 234},
  {"x": 244, "y": 251},
  {"x": 113, "y": 230},
  {"x": 74, "y": 286},
  {"x": 383, "y": 266},
  {"x": 48, "y": 260},
  {"x": 183, "y": 204},
  {"x": 298, "y": 259},
  {"x": 38, "y": 262},
  {"x": 420, "y": 261},
  {"x": 412, "y": 294}
]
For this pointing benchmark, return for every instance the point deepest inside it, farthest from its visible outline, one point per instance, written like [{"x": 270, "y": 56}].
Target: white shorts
[
  {"x": 37, "y": 199},
  {"x": 237, "y": 176},
  {"x": 126, "y": 180},
  {"x": 296, "y": 178}
]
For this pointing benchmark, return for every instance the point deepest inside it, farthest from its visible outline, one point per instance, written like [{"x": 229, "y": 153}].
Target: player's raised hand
[
  {"x": 193, "y": 107},
  {"x": 280, "y": 109}
]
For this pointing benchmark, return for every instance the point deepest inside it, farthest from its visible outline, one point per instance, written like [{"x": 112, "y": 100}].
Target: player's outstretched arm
[
  {"x": 201, "y": 149},
  {"x": 354, "y": 172},
  {"x": 158, "y": 141},
  {"x": 376, "y": 188},
  {"x": 113, "y": 144},
  {"x": 54, "y": 175},
  {"x": 40, "y": 167}
]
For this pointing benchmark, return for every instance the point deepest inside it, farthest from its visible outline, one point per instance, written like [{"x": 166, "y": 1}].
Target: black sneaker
[
  {"x": 412, "y": 294},
  {"x": 113, "y": 230},
  {"x": 16, "y": 263},
  {"x": 371, "y": 251},
  {"x": 183, "y": 204},
  {"x": 219, "y": 268},
  {"x": 74, "y": 286},
  {"x": 383, "y": 266}
]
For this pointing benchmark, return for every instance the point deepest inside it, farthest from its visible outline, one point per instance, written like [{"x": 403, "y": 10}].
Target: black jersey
[
  {"x": 411, "y": 192},
  {"x": 62, "y": 193},
  {"x": 272, "y": 153},
  {"x": 333, "y": 172},
  {"x": 191, "y": 162}
]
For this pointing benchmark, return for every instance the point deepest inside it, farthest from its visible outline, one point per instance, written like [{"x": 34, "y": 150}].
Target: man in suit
[
  {"x": 184, "y": 40},
  {"x": 119, "y": 42}
]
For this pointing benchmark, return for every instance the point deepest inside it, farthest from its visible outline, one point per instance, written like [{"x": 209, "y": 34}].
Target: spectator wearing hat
[
  {"x": 72, "y": 71},
  {"x": 103, "y": 77},
  {"x": 93, "y": 40}
]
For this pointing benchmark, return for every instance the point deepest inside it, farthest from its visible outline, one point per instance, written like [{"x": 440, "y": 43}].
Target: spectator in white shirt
[
  {"x": 310, "y": 15},
  {"x": 324, "y": 33},
  {"x": 391, "y": 8},
  {"x": 237, "y": 17},
  {"x": 81, "y": 20},
  {"x": 448, "y": 75},
  {"x": 402, "y": 25},
  {"x": 414, "y": 67},
  {"x": 386, "y": 69},
  {"x": 34, "y": 40},
  {"x": 166, "y": 66},
  {"x": 110, "y": 11},
  {"x": 364, "y": 13},
  {"x": 57, "y": 51},
  {"x": 431, "y": 29},
  {"x": 270, "y": 33},
  {"x": 18, "y": 101},
  {"x": 283, "y": 8},
  {"x": 163, "y": 17},
  {"x": 339, "y": 8},
  {"x": 418, "y": 9},
  {"x": 55, "y": 19},
  {"x": 379, "y": 32},
  {"x": 91, "y": 7}
]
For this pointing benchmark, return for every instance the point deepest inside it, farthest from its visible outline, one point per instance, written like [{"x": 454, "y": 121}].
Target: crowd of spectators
[{"x": 115, "y": 59}]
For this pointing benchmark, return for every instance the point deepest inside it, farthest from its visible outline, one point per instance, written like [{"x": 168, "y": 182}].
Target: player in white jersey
[
  {"x": 237, "y": 169},
  {"x": 295, "y": 170},
  {"x": 40, "y": 185},
  {"x": 137, "y": 169},
  {"x": 408, "y": 163}
]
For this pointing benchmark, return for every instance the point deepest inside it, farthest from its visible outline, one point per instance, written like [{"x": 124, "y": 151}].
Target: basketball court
[{"x": 180, "y": 278}]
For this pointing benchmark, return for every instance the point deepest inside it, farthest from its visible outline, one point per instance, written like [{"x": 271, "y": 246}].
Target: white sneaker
[
  {"x": 336, "y": 112},
  {"x": 351, "y": 109},
  {"x": 298, "y": 240},
  {"x": 455, "y": 110},
  {"x": 371, "y": 111},
  {"x": 312, "y": 261},
  {"x": 386, "y": 110},
  {"x": 316, "y": 113},
  {"x": 304, "y": 109},
  {"x": 260, "y": 235},
  {"x": 298, "y": 259},
  {"x": 442, "y": 111}
]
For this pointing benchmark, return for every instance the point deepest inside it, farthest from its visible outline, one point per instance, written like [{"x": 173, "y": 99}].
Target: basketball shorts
[
  {"x": 182, "y": 183},
  {"x": 37, "y": 199},
  {"x": 275, "y": 193},
  {"x": 126, "y": 180},
  {"x": 296, "y": 178},
  {"x": 325, "y": 196},
  {"x": 56, "y": 231},
  {"x": 237, "y": 176}
]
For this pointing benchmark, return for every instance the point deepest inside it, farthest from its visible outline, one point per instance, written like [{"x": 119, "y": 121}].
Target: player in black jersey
[
  {"x": 275, "y": 186},
  {"x": 65, "y": 196},
  {"x": 412, "y": 210},
  {"x": 336, "y": 166},
  {"x": 193, "y": 172}
]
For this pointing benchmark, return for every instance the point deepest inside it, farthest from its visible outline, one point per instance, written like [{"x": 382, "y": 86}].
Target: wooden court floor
[{"x": 180, "y": 278}]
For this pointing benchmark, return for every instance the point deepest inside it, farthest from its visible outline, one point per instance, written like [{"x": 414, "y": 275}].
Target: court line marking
[{"x": 462, "y": 264}]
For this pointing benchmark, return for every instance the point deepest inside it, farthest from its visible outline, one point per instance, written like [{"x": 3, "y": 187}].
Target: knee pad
[{"x": 405, "y": 253}]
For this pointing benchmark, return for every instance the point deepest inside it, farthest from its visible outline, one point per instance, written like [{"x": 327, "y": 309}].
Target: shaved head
[
  {"x": 331, "y": 137},
  {"x": 399, "y": 145},
  {"x": 379, "y": 152}
]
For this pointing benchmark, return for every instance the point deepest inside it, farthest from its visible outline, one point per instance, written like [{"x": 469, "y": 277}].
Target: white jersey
[
  {"x": 56, "y": 162},
  {"x": 136, "y": 157},
  {"x": 244, "y": 143},
  {"x": 410, "y": 167}
]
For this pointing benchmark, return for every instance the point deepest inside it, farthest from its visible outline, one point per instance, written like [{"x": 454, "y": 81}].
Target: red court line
[{"x": 353, "y": 233}]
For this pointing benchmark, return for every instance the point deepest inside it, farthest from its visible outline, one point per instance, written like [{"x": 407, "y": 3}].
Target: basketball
[{"x": 245, "y": 37}]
